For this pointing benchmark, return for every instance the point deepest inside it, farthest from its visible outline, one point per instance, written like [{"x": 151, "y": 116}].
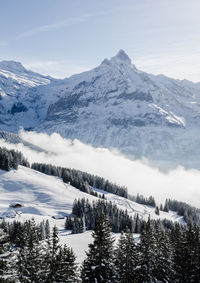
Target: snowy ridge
[
  {"x": 16, "y": 105},
  {"x": 18, "y": 77},
  {"x": 114, "y": 105}
]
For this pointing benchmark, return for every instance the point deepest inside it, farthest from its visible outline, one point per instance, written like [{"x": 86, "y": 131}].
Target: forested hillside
[
  {"x": 10, "y": 159},
  {"x": 166, "y": 248},
  {"x": 28, "y": 253}
]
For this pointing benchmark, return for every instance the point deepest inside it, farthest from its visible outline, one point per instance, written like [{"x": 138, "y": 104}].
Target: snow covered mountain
[
  {"x": 114, "y": 105},
  {"x": 19, "y": 103}
]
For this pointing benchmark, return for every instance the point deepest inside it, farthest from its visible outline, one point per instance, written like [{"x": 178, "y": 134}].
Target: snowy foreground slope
[{"x": 44, "y": 196}]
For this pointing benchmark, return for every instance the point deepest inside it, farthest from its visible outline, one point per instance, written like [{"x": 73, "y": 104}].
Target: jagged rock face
[
  {"x": 113, "y": 105},
  {"x": 19, "y": 101},
  {"x": 116, "y": 105}
]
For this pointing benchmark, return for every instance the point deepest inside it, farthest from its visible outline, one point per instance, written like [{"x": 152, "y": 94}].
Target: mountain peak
[
  {"x": 119, "y": 58},
  {"x": 122, "y": 57},
  {"x": 12, "y": 66}
]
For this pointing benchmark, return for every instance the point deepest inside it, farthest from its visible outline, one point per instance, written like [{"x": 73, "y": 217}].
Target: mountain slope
[
  {"x": 114, "y": 105},
  {"x": 20, "y": 104},
  {"x": 43, "y": 196},
  {"x": 38, "y": 193}
]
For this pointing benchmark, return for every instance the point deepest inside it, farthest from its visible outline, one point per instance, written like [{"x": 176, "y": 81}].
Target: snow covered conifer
[
  {"x": 47, "y": 229},
  {"x": 164, "y": 267},
  {"x": 82, "y": 224},
  {"x": 187, "y": 253},
  {"x": 6, "y": 258},
  {"x": 126, "y": 258},
  {"x": 52, "y": 260},
  {"x": 67, "y": 270},
  {"x": 30, "y": 257},
  {"x": 42, "y": 233},
  {"x": 99, "y": 263},
  {"x": 147, "y": 260}
]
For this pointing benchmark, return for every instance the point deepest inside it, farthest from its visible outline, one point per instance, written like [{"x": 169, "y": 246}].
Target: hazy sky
[{"x": 63, "y": 37}]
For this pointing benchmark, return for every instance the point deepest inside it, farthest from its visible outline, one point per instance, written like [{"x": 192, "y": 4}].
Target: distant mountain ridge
[{"x": 114, "y": 105}]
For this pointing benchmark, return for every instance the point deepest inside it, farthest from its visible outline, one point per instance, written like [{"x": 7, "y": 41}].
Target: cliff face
[{"x": 113, "y": 105}]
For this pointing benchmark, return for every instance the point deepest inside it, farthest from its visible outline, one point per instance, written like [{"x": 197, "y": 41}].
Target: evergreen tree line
[
  {"x": 34, "y": 260},
  {"x": 85, "y": 215},
  {"x": 159, "y": 256},
  {"x": 86, "y": 182},
  {"x": 11, "y": 159},
  {"x": 17, "y": 229},
  {"x": 81, "y": 180},
  {"x": 190, "y": 214},
  {"x": 142, "y": 200}
]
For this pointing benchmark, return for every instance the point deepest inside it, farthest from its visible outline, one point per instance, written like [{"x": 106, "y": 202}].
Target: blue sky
[{"x": 63, "y": 37}]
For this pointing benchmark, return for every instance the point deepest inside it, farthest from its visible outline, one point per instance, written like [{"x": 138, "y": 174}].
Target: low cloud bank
[{"x": 138, "y": 176}]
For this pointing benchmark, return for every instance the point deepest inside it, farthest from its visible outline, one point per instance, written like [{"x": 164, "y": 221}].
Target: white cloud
[
  {"x": 54, "y": 26},
  {"x": 138, "y": 176}
]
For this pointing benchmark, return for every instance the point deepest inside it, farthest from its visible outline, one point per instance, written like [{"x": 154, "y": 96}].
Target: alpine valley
[
  {"x": 75, "y": 155},
  {"x": 114, "y": 105}
]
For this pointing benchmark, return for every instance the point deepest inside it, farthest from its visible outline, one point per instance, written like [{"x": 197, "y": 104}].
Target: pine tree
[
  {"x": 166, "y": 206},
  {"x": 147, "y": 259},
  {"x": 7, "y": 259},
  {"x": 29, "y": 257},
  {"x": 196, "y": 244},
  {"x": 179, "y": 253},
  {"x": 82, "y": 224},
  {"x": 47, "y": 229},
  {"x": 42, "y": 234},
  {"x": 52, "y": 262},
  {"x": 22, "y": 253},
  {"x": 137, "y": 228},
  {"x": 157, "y": 211},
  {"x": 164, "y": 267},
  {"x": 67, "y": 268},
  {"x": 192, "y": 242},
  {"x": 68, "y": 223},
  {"x": 98, "y": 265},
  {"x": 21, "y": 264},
  {"x": 59, "y": 263},
  {"x": 126, "y": 258},
  {"x": 34, "y": 253}
]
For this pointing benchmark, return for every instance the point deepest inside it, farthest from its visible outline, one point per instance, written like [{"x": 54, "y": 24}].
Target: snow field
[{"x": 43, "y": 196}]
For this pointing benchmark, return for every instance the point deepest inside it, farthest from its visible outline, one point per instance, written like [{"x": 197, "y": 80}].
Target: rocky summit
[{"x": 114, "y": 105}]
